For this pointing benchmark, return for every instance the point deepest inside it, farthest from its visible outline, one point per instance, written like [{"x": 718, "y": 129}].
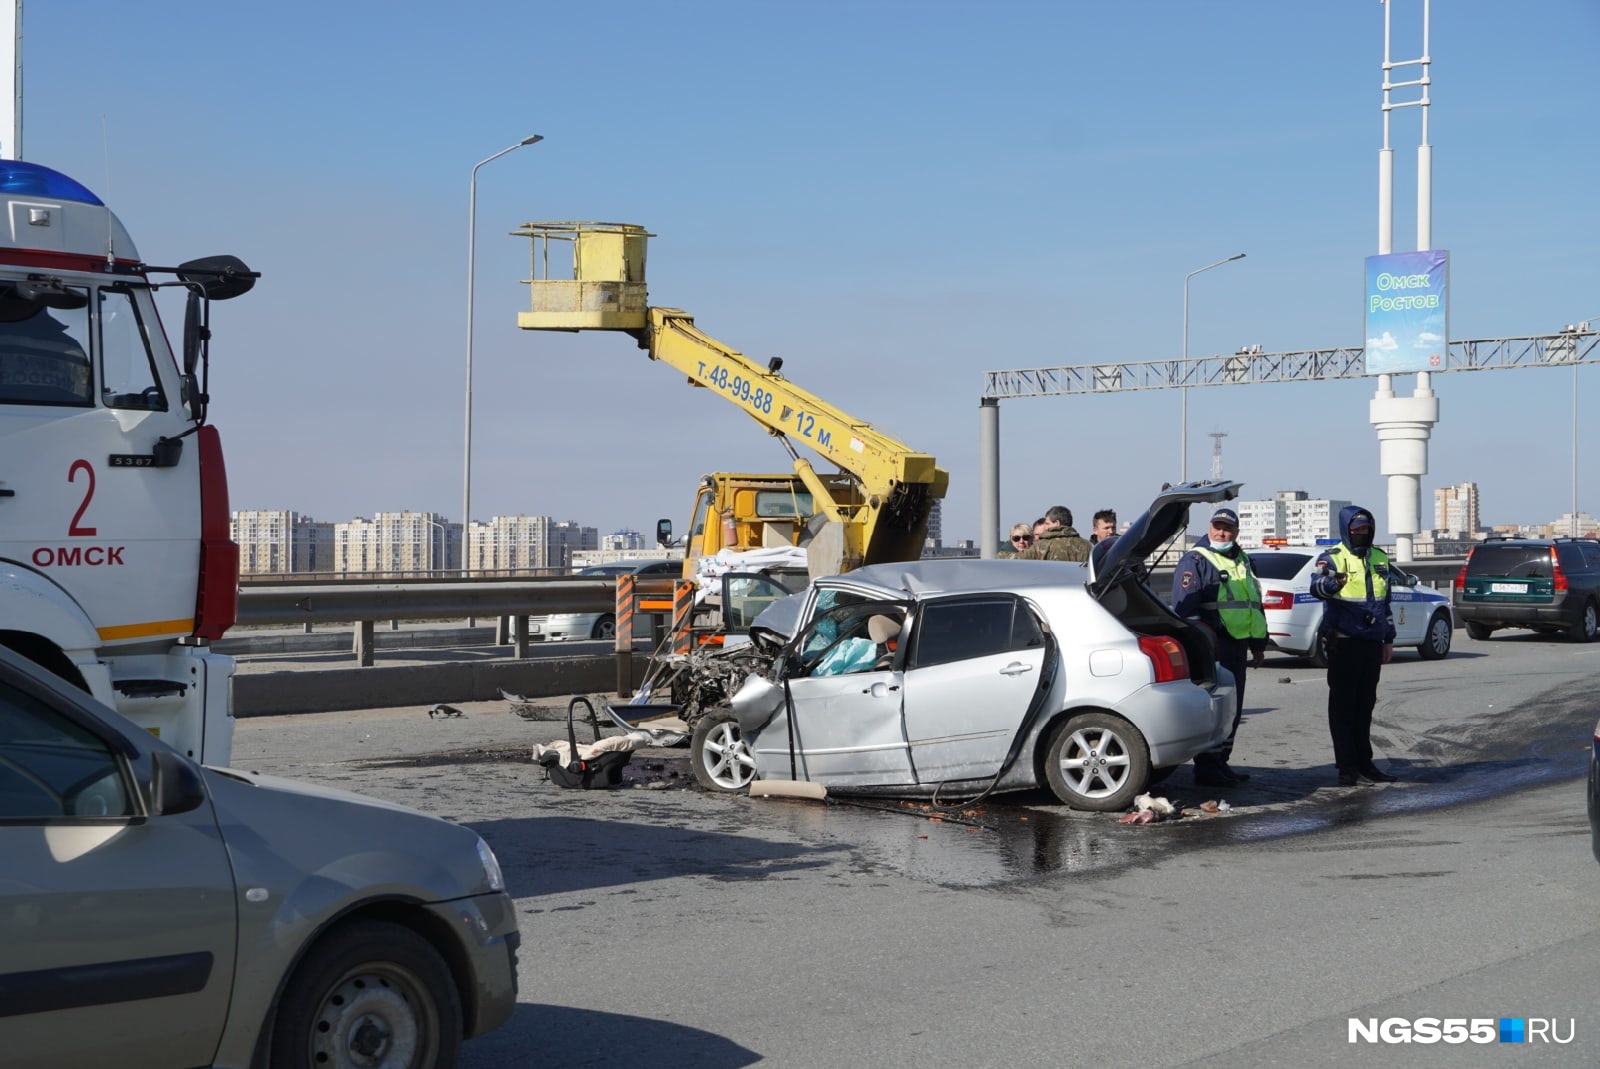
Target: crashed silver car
[{"x": 954, "y": 678}]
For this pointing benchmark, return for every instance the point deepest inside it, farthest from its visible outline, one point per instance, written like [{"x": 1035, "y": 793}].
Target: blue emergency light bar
[
  {"x": 1327, "y": 541},
  {"x": 35, "y": 180}
]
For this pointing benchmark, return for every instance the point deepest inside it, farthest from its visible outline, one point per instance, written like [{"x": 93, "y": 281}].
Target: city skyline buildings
[{"x": 419, "y": 541}]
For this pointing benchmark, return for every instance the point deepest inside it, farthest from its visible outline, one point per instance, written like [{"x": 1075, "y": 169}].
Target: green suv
[{"x": 1547, "y": 584}]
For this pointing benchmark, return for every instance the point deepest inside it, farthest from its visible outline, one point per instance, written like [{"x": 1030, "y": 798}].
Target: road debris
[{"x": 443, "y": 710}]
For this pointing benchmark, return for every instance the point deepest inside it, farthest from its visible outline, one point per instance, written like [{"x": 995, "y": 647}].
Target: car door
[
  {"x": 973, "y": 667},
  {"x": 118, "y": 926},
  {"x": 848, "y": 730},
  {"x": 1411, "y": 610}
]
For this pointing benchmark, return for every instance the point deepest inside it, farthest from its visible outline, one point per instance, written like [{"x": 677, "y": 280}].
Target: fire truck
[{"x": 117, "y": 570}]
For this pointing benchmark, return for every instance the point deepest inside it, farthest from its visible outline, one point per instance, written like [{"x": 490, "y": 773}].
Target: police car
[{"x": 1422, "y": 616}]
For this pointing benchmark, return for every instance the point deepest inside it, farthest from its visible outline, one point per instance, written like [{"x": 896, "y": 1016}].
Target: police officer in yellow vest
[
  {"x": 1352, "y": 579},
  {"x": 1215, "y": 586}
]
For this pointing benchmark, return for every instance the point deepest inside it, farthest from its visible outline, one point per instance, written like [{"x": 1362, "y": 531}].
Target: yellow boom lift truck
[{"x": 873, "y": 510}]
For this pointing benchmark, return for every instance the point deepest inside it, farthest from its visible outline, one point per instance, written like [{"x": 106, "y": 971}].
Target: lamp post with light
[
  {"x": 472, "y": 231},
  {"x": 1183, "y": 428}
]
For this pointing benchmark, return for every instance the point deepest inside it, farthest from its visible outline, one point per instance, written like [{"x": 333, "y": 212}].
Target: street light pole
[
  {"x": 1183, "y": 427},
  {"x": 472, "y": 233}
]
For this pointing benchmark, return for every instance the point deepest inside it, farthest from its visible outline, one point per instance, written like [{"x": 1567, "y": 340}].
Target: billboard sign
[{"x": 1407, "y": 311}]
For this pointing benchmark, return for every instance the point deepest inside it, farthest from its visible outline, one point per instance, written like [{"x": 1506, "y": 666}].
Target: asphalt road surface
[{"x": 667, "y": 927}]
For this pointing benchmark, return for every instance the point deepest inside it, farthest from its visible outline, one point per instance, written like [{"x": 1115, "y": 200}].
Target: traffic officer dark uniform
[
  {"x": 1215, "y": 585},
  {"x": 1352, "y": 579}
]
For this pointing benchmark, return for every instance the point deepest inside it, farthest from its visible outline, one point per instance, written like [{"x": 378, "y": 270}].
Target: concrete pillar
[
  {"x": 1404, "y": 425},
  {"x": 988, "y": 477}
]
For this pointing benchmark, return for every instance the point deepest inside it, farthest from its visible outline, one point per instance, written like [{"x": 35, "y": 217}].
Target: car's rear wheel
[
  {"x": 605, "y": 627},
  {"x": 718, "y": 756},
  {"x": 1478, "y": 632},
  {"x": 1588, "y": 624},
  {"x": 369, "y": 994},
  {"x": 1098, "y": 762},
  {"x": 1436, "y": 643},
  {"x": 1319, "y": 651}
]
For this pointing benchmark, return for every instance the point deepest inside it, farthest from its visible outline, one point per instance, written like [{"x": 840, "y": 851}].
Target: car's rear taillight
[
  {"x": 1461, "y": 576},
  {"x": 1558, "y": 578},
  {"x": 1166, "y": 657},
  {"x": 216, "y": 603},
  {"x": 1277, "y": 599}
]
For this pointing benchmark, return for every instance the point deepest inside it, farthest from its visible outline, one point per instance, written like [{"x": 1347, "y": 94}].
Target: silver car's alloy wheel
[
  {"x": 1097, "y": 761},
  {"x": 605, "y": 627},
  {"x": 719, "y": 756}
]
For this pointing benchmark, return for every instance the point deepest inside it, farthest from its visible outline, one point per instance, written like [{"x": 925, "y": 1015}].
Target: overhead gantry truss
[{"x": 1251, "y": 366}]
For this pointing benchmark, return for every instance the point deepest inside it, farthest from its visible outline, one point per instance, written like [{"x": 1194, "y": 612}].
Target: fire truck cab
[{"x": 116, "y": 566}]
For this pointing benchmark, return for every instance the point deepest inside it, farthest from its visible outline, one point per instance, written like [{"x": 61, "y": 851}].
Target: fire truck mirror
[{"x": 220, "y": 278}]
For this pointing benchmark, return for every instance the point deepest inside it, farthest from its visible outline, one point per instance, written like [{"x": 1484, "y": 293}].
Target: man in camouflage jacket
[{"x": 1059, "y": 541}]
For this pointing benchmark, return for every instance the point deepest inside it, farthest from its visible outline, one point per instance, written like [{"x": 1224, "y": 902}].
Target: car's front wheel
[
  {"x": 1478, "y": 632},
  {"x": 370, "y": 993},
  {"x": 1098, "y": 762},
  {"x": 1588, "y": 624},
  {"x": 605, "y": 627},
  {"x": 718, "y": 756},
  {"x": 1436, "y": 643}
]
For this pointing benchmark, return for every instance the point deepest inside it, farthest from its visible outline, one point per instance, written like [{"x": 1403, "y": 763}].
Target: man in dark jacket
[
  {"x": 1059, "y": 541},
  {"x": 1215, "y": 586},
  {"x": 1352, "y": 580}
]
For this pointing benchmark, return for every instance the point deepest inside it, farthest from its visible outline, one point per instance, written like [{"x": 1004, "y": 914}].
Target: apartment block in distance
[
  {"x": 277, "y": 542},
  {"x": 1455, "y": 510},
  {"x": 1289, "y": 514},
  {"x": 526, "y": 545},
  {"x": 397, "y": 543}
]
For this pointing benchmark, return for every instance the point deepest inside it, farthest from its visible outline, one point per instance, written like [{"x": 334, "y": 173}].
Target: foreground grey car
[
  {"x": 156, "y": 913},
  {"x": 953, "y": 677}
]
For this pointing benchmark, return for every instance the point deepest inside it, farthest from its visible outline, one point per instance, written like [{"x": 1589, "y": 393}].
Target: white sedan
[{"x": 1422, "y": 616}]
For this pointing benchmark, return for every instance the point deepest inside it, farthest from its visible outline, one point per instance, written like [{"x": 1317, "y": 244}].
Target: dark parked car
[{"x": 1547, "y": 584}]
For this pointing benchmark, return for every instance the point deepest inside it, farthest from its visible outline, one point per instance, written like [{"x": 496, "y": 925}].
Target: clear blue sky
[{"x": 893, "y": 196}]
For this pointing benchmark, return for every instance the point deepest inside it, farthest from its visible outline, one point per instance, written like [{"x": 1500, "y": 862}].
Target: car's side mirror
[{"x": 175, "y": 784}]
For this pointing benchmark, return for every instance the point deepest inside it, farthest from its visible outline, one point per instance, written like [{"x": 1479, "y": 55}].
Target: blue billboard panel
[{"x": 1407, "y": 311}]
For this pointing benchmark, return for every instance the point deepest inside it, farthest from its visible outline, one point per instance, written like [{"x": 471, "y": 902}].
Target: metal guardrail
[
  {"x": 365, "y": 603},
  {"x": 261, "y": 603}
]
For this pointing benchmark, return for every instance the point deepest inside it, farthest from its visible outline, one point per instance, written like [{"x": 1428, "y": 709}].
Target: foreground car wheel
[
  {"x": 1478, "y": 632},
  {"x": 1436, "y": 643},
  {"x": 718, "y": 755},
  {"x": 371, "y": 994},
  {"x": 1097, "y": 762}
]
